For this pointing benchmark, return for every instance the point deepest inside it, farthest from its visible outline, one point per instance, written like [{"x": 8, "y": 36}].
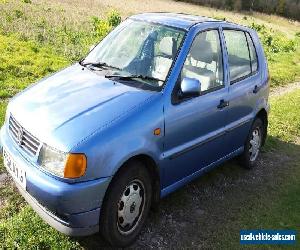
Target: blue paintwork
[
  {"x": 79, "y": 111},
  {"x": 177, "y": 20},
  {"x": 74, "y": 202}
]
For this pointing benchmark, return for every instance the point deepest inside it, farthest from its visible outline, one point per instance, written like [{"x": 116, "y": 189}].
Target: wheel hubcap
[
  {"x": 130, "y": 207},
  {"x": 255, "y": 144}
]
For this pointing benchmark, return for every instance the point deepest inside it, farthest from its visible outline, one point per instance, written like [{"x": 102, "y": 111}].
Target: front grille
[{"x": 23, "y": 138}]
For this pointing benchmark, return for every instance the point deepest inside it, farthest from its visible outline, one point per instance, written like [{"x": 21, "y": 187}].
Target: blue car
[{"x": 159, "y": 101}]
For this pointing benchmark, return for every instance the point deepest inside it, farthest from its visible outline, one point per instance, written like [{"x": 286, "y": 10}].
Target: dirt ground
[
  {"x": 195, "y": 216},
  {"x": 282, "y": 90}
]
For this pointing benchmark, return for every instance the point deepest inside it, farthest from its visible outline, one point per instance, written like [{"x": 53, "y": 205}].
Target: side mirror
[
  {"x": 190, "y": 87},
  {"x": 92, "y": 47}
]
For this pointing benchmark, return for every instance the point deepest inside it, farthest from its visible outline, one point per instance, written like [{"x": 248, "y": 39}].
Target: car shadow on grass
[{"x": 204, "y": 210}]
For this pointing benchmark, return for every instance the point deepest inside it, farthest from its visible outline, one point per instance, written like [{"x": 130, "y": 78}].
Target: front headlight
[
  {"x": 53, "y": 161},
  {"x": 62, "y": 164}
]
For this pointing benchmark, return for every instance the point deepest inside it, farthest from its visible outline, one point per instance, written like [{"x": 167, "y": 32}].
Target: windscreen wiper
[
  {"x": 97, "y": 65},
  {"x": 132, "y": 77}
]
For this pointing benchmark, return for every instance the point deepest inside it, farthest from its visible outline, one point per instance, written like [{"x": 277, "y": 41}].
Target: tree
[
  {"x": 229, "y": 4},
  {"x": 247, "y": 5},
  {"x": 281, "y": 7},
  {"x": 237, "y": 5}
]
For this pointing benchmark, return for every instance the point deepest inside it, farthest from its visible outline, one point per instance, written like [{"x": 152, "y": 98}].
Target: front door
[{"x": 194, "y": 127}]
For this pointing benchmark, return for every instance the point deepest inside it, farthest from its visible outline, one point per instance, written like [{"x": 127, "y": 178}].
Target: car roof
[{"x": 179, "y": 20}]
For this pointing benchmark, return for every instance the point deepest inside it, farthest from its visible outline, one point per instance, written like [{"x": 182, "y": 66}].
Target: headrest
[
  {"x": 202, "y": 51},
  {"x": 166, "y": 46}
]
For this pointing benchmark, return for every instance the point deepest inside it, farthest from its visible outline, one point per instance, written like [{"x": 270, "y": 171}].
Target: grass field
[
  {"x": 39, "y": 37},
  {"x": 69, "y": 27},
  {"x": 23, "y": 62},
  {"x": 275, "y": 203}
]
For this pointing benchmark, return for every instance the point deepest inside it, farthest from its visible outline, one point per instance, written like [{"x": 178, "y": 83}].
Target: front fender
[{"x": 132, "y": 135}]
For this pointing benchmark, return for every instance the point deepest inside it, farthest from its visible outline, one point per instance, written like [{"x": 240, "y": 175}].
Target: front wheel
[
  {"x": 253, "y": 144},
  {"x": 126, "y": 205}
]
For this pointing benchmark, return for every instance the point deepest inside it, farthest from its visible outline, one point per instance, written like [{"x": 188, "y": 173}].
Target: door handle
[
  {"x": 256, "y": 89},
  {"x": 223, "y": 104}
]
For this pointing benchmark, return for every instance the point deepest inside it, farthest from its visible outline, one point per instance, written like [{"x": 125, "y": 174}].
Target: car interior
[
  {"x": 204, "y": 63},
  {"x": 163, "y": 60}
]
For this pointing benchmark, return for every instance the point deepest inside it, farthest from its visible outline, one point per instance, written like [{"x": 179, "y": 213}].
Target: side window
[
  {"x": 238, "y": 54},
  {"x": 253, "y": 55},
  {"x": 204, "y": 61}
]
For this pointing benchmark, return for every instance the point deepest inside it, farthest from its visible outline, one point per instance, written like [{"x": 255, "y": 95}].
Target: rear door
[{"x": 245, "y": 82}]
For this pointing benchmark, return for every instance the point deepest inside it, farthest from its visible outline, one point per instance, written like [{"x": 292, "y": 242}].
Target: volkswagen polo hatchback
[{"x": 159, "y": 101}]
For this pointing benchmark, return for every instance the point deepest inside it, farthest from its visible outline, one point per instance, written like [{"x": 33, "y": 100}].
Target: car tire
[
  {"x": 126, "y": 205},
  {"x": 253, "y": 144}
]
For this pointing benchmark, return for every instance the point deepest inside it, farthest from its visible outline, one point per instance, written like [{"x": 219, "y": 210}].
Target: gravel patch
[
  {"x": 3, "y": 177},
  {"x": 191, "y": 216},
  {"x": 282, "y": 90}
]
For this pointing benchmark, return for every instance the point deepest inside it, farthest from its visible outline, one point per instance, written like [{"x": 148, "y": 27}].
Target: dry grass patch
[{"x": 136, "y": 6}]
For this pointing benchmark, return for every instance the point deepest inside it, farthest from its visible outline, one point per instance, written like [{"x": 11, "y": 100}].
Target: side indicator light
[
  {"x": 75, "y": 166},
  {"x": 156, "y": 131}
]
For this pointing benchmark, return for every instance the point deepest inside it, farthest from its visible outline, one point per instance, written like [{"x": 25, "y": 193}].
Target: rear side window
[{"x": 242, "y": 57}]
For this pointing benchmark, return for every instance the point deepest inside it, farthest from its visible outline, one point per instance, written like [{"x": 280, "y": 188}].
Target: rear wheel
[
  {"x": 253, "y": 144},
  {"x": 126, "y": 205}
]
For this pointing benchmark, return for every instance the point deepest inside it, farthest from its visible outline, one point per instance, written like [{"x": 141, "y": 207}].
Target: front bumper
[
  {"x": 59, "y": 224},
  {"x": 71, "y": 208}
]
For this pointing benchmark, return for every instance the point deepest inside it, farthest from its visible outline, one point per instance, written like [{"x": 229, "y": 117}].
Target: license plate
[{"x": 17, "y": 172}]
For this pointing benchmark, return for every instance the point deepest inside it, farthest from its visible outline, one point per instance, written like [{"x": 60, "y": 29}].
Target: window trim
[
  {"x": 251, "y": 73},
  {"x": 174, "y": 96},
  {"x": 255, "y": 50}
]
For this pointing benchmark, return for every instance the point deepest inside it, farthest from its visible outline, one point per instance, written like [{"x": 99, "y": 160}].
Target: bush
[
  {"x": 287, "y": 8},
  {"x": 114, "y": 18},
  {"x": 282, "y": 54},
  {"x": 273, "y": 42},
  {"x": 102, "y": 26}
]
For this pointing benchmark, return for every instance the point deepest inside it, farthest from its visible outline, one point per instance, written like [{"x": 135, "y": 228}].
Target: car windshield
[{"x": 137, "y": 49}]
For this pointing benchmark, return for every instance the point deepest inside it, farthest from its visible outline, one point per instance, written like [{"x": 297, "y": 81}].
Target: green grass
[
  {"x": 282, "y": 52},
  {"x": 24, "y": 62},
  {"x": 284, "y": 213},
  {"x": 269, "y": 208},
  {"x": 279, "y": 207},
  {"x": 285, "y": 117},
  {"x": 3, "y": 105},
  {"x": 275, "y": 204},
  {"x": 272, "y": 206},
  {"x": 67, "y": 30},
  {"x": 13, "y": 201},
  {"x": 2, "y": 169},
  {"x": 26, "y": 230},
  {"x": 285, "y": 67},
  {"x": 72, "y": 30}
]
